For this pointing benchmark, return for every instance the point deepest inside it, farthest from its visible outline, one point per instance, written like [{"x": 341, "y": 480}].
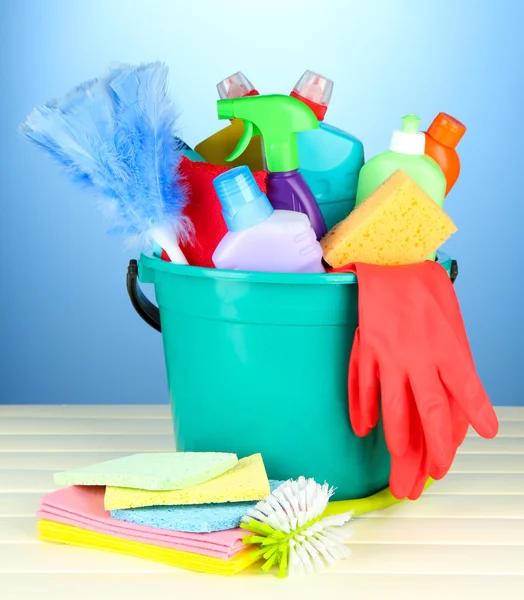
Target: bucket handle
[
  {"x": 145, "y": 309},
  {"x": 150, "y": 313},
  {"x": 454, "y": 271}
]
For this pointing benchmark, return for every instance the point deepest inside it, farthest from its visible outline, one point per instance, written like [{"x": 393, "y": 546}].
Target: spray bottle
[
  {"x": 330, "y": 159},
  {"x": 216, "y": 148},
  {"x": 277, "y": 119}
]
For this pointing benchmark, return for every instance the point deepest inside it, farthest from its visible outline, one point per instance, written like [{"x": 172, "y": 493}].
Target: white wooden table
[{"x": 463, "y": 539}]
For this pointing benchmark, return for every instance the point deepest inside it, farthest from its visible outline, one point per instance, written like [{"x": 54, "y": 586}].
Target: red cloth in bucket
[{"x": 204, "y": 210}]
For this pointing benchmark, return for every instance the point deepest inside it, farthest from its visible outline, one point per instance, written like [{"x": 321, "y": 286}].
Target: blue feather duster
[
  {"x": 117, "y": 135},
  {"x": 145, "y": 136}
]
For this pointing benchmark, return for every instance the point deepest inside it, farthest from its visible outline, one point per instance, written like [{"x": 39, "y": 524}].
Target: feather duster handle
[
  {"x": 290, "y": 531},
  {"x": 117, "y": 136}
]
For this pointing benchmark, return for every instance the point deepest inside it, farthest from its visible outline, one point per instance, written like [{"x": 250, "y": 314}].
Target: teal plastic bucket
[{"x": 258, "y": 363}]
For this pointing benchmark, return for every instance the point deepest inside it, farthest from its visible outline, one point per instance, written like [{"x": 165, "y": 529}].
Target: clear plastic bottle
[{"x": 259, "y": 237}]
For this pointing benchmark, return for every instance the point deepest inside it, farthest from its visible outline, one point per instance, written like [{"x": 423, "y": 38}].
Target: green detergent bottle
[{"x": 406, "y": 152}]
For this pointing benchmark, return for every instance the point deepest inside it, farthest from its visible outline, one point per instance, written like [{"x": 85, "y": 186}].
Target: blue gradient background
[{"x": 68, "y": 332}]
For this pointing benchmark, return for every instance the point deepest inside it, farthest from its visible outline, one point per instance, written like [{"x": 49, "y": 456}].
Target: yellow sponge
[
  {"x": 247, "y": 481},
  {"x": 399, "y": 224}
]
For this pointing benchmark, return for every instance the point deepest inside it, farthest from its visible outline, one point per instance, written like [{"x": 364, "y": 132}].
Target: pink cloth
[{"x": 84, "y": 507}]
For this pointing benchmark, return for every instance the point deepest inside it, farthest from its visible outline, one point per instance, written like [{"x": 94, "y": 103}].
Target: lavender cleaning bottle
[{"x": 261, "y": 238}]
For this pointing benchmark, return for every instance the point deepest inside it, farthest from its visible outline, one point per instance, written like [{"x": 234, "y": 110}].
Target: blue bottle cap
[{"x": 244, "y": 205}]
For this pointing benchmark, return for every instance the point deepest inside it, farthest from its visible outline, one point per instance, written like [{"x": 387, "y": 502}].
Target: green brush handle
[{"x": 381, "y": 499}]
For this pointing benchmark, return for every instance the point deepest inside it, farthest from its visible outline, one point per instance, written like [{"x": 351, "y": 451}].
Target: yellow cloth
[
  {"x": 74, "y": 536},
  {"x": 245, "y": 482}
]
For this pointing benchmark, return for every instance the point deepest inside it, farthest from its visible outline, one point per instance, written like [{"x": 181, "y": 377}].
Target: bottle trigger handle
[{"x": 243, "y": 143}]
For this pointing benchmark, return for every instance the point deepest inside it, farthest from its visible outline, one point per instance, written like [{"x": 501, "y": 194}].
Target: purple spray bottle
[{"x": 277, "y": 119}]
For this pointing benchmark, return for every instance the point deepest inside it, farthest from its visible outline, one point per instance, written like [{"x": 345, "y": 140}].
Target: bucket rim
[{"x": 157, "y": 264}]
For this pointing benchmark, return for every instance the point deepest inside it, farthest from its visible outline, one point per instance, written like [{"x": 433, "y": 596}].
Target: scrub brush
[
  {"x": 291, "y": 532},
  {"x": 117, "y": 135}
]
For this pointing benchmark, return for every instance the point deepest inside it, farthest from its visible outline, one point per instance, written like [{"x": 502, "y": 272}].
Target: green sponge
[{"x": 155, "y": 471}]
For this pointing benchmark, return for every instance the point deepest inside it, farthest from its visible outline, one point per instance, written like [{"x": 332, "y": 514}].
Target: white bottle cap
[{"x": 408, "y": 140}]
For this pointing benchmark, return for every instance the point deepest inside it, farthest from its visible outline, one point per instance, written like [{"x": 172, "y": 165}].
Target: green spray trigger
[
  {"x": 277, "y": 119},
  {"x": 249, "y": 131}
]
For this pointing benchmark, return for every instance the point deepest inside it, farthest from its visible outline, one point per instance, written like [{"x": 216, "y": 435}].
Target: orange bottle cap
[{"x": 446, "y": 130}]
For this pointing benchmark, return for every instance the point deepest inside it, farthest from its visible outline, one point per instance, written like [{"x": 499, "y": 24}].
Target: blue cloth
[{"x": 194, "y": 518}]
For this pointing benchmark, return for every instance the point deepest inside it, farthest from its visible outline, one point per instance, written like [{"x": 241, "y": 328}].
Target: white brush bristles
[{"x": 295, "y": 508}]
